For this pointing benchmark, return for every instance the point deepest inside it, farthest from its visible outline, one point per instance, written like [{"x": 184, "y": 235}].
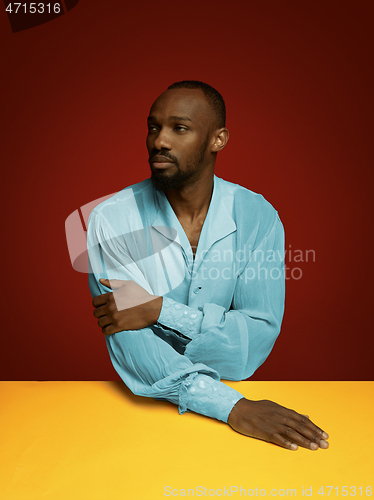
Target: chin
[
  {"x": 162, "y": 183},
  {"x": 167, "y": 182}
]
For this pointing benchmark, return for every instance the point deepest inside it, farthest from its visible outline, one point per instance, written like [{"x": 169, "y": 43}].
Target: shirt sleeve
[
  {"x": 148, "y": 365},
  {"x": 181, "y": 318},
  {"x": 237, "y": 342}
]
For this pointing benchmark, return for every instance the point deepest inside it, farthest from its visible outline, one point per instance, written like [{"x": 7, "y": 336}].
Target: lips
[{"x": 160, "y": 161}]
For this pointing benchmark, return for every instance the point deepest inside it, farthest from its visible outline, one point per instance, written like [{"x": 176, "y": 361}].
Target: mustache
[{"x": 162, "y": 152}]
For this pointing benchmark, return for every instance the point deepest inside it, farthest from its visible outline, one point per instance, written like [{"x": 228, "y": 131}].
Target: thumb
[
  {"x": 105, "y": 282},
  {"x": 113, "y": 284}
]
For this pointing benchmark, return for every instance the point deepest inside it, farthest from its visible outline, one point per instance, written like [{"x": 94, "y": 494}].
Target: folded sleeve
[
  {"x": 147, "y": 364},
  {"x": 237, "y": 342}
]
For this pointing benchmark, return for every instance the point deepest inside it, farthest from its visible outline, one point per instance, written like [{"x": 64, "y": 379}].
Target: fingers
[
  {"x": 104, "y": 318},
  {"x": 109, "y": 330},
  {"x": 300, "y": 439},
  {"x": 291, "y": 439},
  {"x": 323, "y": 444},
  {"x": 104, "y": 322},
  {"x": 101, "y": 299},
  {"x": 303, "y": 432},
  {"x": 100, "y": 311},
  {"x": 304, "y": 423},
  {"x": 105, "y": 310},
  {"x": 292, "y": 433},
  {"x": 283, "y": 442}
]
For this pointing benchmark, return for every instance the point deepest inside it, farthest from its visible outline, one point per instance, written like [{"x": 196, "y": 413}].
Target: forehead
[{"x": 189, "y": 103}]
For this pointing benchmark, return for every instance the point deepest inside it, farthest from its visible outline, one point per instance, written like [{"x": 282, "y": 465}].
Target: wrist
[
  {"x": 153, "y": 310},
  {"x": 235, "y": 413}
]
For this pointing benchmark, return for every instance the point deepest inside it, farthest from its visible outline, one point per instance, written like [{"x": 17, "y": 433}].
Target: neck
[{"x": 191, "y": 202}]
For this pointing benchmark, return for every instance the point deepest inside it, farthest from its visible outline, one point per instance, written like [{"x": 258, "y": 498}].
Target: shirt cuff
[
  {"x": 202, "y": 394},
  {"x": 180, "y": 318}
]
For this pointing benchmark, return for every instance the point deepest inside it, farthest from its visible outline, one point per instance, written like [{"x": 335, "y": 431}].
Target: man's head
[{"x": 186, "y": 129}]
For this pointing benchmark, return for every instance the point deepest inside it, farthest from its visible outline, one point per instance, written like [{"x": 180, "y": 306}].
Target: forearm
[
  {"x": 231, "y": 342},
  {"x": 151, "y": 367}
]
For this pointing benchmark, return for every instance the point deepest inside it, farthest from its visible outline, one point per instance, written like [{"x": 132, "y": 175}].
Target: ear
[{"x": 220, "y": 139}]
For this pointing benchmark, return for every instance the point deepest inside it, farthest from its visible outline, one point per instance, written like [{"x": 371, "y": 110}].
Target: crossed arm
[{"x": 229, "y": 344}]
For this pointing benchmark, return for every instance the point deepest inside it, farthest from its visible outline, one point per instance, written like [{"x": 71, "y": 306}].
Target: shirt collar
[{"x": 218, "y": 222}]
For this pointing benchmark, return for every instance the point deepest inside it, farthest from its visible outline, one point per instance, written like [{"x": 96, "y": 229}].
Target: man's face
[{"x": 180, "y": 126}]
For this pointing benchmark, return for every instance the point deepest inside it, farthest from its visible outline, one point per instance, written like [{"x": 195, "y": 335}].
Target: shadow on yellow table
[{"x": 96, "y": 441}]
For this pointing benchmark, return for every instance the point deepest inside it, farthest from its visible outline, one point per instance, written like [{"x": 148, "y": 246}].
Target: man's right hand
[{"x": 276, "y": 424}]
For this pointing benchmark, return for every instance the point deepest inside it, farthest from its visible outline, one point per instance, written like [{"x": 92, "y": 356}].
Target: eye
[
  {"x": 180, "y": 128},
  {"x": 152, "y": 128}
]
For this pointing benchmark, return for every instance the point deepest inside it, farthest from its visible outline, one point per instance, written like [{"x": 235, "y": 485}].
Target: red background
[{"x": 297, "y": 77}]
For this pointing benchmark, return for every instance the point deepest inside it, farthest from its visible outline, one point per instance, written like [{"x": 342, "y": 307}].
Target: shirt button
[
  {"x": 197, "y": 289},
  {"x": 200, "y": 308}
]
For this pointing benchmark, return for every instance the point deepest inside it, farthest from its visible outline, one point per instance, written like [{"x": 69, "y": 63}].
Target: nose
[{"x": 162, "y": 140}]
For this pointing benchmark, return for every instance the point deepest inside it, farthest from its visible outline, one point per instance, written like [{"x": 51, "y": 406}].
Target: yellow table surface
[{"x": 96, "y": 441}]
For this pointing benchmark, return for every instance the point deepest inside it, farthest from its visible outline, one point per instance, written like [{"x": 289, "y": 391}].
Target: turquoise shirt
[{"x": 222, "y": 310}]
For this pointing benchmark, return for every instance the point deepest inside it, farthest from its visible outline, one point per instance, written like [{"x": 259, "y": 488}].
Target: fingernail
[
  {"x": 323, "y": 445},
  {"x": 294, "y": 446},
  {"x": 325, "y": 435},
  {"x": 314, "y": 446}
]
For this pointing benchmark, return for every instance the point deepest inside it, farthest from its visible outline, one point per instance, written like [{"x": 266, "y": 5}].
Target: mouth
[{"x": 160, "y": 162}]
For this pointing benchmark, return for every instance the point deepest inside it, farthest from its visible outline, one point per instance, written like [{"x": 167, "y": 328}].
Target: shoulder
[
  {"x": 247, "y": 203},
  {"x": 124, "y": 197},
  {"x": 250, "y": 211},
  {"x": 123, "y": 208}
]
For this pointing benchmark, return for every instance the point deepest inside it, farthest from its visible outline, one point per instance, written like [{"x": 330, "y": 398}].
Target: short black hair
[{"x": 212, "y": 95}]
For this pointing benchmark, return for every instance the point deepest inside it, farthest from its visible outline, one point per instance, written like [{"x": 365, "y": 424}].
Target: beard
[{"x": 165, "y": 182}]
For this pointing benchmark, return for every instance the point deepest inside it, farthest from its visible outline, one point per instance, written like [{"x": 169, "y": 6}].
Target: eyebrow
[{"x": 173, "y": 118}]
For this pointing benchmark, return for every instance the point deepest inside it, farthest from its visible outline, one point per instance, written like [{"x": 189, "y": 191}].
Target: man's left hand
[{"x": 128, "y": 307}]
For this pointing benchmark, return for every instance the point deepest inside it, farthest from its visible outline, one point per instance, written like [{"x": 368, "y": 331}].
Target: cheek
[{"x": 149, "y": 142}]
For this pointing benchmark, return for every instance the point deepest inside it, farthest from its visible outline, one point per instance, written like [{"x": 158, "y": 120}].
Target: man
[{"x": 188, "y": 275}]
